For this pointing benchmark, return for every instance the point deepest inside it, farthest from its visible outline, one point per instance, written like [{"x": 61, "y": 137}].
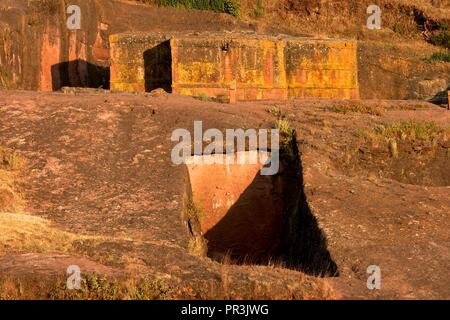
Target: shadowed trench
[{"x": 247, "y": 218}]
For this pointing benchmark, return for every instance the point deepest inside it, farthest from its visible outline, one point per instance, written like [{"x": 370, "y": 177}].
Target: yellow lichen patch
[
  {"x": 260, "y": 67},
  {"x": 198, "y": 72}
]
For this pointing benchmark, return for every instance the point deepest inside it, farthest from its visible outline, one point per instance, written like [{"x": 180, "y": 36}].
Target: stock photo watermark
[
  {"x": 74, "y": 18},
  {"x": 374, "y": 279},
  {"x": 235, "y": 145},
  {"x": 374, "y": 20},
  {"x": 74, "y": 279}
]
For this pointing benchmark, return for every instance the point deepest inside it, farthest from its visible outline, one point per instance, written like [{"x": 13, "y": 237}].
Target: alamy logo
[
  {"x": 374, "y": 279},
  {"x": 74, "y": 20},
  {"x": 74, "y": 279},
  {"x": 374, "y": 20},
  {"x": 257, "y": 140}
]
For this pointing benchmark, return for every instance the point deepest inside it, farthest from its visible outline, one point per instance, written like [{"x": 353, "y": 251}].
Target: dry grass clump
[
  {"x": 287, "y": 137},
  {"x": 93, "y": 287},
  {"x": 406, "y": 130},
  {"x": 357, "y": 108},
  {"x": 21, "y": 233},
  {"x": 10, "y": 164},
  {"x": 439, "y": 57},
  {"x": 227, "y": 6}
]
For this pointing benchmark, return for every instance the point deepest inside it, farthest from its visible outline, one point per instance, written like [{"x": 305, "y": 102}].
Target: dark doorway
[
  {"x": 158, "y": 67},
  {"x": 79, "y": 73},
  {"x": 441, "y": 98}
]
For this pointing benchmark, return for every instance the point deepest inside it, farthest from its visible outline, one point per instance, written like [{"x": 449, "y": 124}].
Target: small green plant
[
  {"x": 275, "y": 111},
  {"x": 232, "y": 7},
  {"x": 397, "y": 29},
  {"x": 284, "y": 126},
  {"x": 10, "y": 160},
  {"x": 359, "y": 108},
  {"x": 443, "y": 25},
  {"x": 286, "y": 136},
  {"x": 405, "y": 130},
  {"x": 412, "y": 130},
  {"x": 101, "y": 288},
  {"x": 93, "y": 287},
  {"x": 197, "y": 245},
  {"x": 409, "y": 107},
  {"x": 439, "y": 56},
  {"x": 151, "y": 289},
  {"x": 441, "y": 39},
  {"x": 203, "y": 97},
  {"x": 194, "y": 211},
  {"x": 259, "y": 10}
]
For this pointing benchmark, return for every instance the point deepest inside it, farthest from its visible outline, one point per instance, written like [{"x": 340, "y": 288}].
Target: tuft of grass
[
  {"x": 438, "y": 56},
  {"x": 20, "y": 233},
  {"x": 287, "y": 136},
  {"x": 398, "y": 29},
  {"x": 357, "y": 108},
  {"x": 10, "y": 160},
  {"x": 93, "y": 287},
  {"x": 275, "y": 111},
  {"x": 287, "y": 133},
  {"x": 443, "y": 25},
  {"x": 23, "y": 233},
  {"x": 409, "y": 107},
  {"x": 232, "y": 7},
  {"x": 10, "y": 164},
  {"x": 97, "y": 287},
  {"x": 412, "y": 130},
  {"x": 203, "y": 97},
  {"x": 195, "y": 211},
  {"x": 441, "y": 39},
  {"x": 285, "y": 127},
  {"x": 405, "y": 130},
  {"x": 152, "y": 289},
  {"x": 258, "y": 12},
  {"x": 197, "y": 245}
]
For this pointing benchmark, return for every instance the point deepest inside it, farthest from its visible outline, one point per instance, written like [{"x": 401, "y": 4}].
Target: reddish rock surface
[{"x": 99, "y": 165}]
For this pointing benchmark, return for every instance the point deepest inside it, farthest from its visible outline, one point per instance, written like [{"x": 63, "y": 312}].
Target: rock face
[
  {"x": 39, "y": 52},
  {"x": 234, "y": 67},
  {"x": 106, "y": 195},
  {"x": 388, "y": 75}
]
